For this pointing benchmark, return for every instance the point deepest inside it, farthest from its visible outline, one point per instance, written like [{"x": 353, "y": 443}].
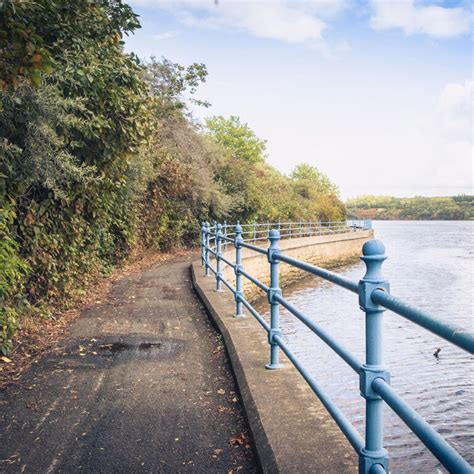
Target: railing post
[
  {"x": 239, "y": 294},
  {"x": 203, "y": 243},
  {"x": 254, "y": 232},
  {"x": 373, "y": 255},
  {"x": 206, "y": 249},
  {"x": 225, "y": 235},
  {"x": 274, "y": 238},
  {"x": 218, "y": 257},
  {"x": 289, "y": 231}
]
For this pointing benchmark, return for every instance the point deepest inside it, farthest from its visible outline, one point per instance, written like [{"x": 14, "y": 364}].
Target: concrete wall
[
  {"x": 326, "y": 251},
  {"x": 291, "y": 429}
]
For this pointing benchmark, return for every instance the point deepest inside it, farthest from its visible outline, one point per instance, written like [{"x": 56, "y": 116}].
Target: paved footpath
[{"x": 140, "y": 384}]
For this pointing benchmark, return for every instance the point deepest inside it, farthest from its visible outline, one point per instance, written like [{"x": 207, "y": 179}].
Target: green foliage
[
  {"x": 416, "y": 208},
  {"x": 99, "y": 156},
  {"x": 68, "y": 145},
  {"x": 259, "y": 192},
  {"x": 13, "y": 271},
  {"x": 236, "y": 138},
  {"x": 23, "y": 53},
  {"x": 307, "y": 178},
  {"x": 168, "y": 82},
  {"x": 34, "y": 122}
]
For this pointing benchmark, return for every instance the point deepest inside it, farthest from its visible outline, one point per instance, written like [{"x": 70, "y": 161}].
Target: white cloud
[
  {"x": 455, "y": 110},
  {"x": 453, "y": 144},
  {"x": 274, "y": 20},
  {"x": 431, "y": 20},
  {"x": 166, "y": 35},
  {"x": 284, "y": 20}
]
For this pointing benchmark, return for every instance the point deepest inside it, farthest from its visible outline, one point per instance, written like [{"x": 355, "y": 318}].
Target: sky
[{"x": 377, "y": 94}]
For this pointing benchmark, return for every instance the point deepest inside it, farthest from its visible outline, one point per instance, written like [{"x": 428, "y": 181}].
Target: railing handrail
[
  {"x": 257, "y": 232},
  {"x": 374, "y": 298}
]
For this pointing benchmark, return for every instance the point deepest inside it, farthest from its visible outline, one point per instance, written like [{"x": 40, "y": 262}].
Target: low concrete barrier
[{"x": 292, "y": 431}]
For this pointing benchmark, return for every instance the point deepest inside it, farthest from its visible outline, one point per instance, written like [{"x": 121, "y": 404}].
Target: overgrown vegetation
[
  {"x": 416, "y": 208},
  {"x": 100, "y": 159}
]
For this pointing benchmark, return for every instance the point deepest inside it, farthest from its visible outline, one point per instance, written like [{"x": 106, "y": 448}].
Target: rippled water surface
[{"x": 430, "y": 265}]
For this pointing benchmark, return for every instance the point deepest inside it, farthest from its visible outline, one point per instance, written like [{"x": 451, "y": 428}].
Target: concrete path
[{"x": 141, "y": 384}]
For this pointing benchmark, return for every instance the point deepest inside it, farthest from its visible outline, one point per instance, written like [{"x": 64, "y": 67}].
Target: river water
[{"x": 430, "y": 265}]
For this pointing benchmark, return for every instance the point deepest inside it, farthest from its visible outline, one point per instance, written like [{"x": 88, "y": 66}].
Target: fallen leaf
[
  {"x": 238, "y": 440},
  {"x": 5, "y": 359},
  {"x": 221, "y": 391}
]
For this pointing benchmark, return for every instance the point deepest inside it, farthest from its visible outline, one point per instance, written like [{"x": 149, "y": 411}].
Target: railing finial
[
  {"x": 373, "y": 255},
  {"x": 274, "y": 236}
]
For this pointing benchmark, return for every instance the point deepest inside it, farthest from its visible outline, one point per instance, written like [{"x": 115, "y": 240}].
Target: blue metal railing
[{"x": 374, "y": 298}]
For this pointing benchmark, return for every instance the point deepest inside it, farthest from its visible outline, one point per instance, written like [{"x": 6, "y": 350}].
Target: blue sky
[{"x": 377, "y": 94}]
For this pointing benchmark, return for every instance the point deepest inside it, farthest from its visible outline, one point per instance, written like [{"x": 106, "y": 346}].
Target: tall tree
[{"x": 237, "y": 138}]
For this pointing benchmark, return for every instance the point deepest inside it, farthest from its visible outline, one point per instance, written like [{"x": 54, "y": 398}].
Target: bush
[{"x": 13, "y": 271}]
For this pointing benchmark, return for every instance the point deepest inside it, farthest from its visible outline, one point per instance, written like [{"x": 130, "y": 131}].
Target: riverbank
[{"x": 416, "y": 208}]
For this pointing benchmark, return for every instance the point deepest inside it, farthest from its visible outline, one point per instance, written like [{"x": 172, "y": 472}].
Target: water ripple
[{"x": 430, "y": 265}]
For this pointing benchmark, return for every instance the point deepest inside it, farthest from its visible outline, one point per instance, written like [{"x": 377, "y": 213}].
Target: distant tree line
[
  {"x": 416, "y": 208},
  {"x": 100, "y": 158}
]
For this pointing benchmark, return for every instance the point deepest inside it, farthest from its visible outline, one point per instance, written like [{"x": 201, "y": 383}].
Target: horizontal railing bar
[
  {"x": 327, "y": 275},
  {"x": 228, "y": 239},
  {"x": 254, "y": 248},
  {"x": 322, "y": 334},
  {"x": 349, "y": 431},
  {"x": 231, "y": 264},
  {"x": 212, "y": 270},
  {"x": 255, "y": 314},
  {"x": 447, "y": 455},
  {"x": 226, "y": 283},
  {"x": 212, "y": 251},
  {"x": 294, "y": 223},
  {"x": 254, "y": 280},
  {"x": 377, "y": 469},
  {"x": 454, "y": 333}
]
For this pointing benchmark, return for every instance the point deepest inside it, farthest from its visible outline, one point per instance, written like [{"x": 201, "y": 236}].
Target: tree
[
  {"x": 306, "y": 176},
  {"x": 169, "y": 82},
  {"x": 236, "y": 138}
]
